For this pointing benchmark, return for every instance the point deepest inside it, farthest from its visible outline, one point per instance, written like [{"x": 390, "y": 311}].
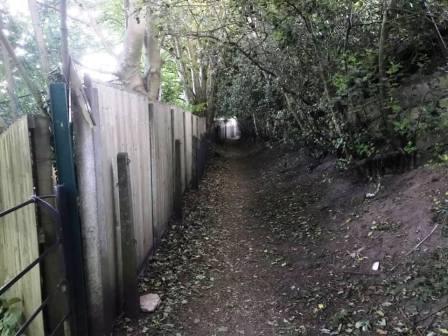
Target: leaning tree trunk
[
  {"x": 34, "y": 90},
  {"x": 387, "y": 5},
  {"x": 39, "y": 36},
  {"x": 130, "y": 62},
  {"x": 153, "y": 57},
  {"x": 211, "y": 96},
  {"x": 323, "y": 73},
  {"x": 184, "y": 73},
  {"x": 10, "y": 81},
  {"x": 65, "y": 58}
]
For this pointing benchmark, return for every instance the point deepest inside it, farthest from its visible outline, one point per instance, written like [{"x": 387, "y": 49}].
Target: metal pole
[{"x": 70, "y": 216}]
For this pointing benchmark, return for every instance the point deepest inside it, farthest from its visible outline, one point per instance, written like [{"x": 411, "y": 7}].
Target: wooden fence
[
  {"x": 127, "y": 123},
  {"x": 19, "y": 243},
  {"x": 165, "y": 147}
]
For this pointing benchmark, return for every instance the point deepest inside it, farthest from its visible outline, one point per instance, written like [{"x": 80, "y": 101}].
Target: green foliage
[
  {"x": 172, "y": 89},
  {"x": 10, "y": 316},
  {"x": 199, "y": 109},
  {"x": 313, "y": 74},
  {"x": 302, "y": 71}
]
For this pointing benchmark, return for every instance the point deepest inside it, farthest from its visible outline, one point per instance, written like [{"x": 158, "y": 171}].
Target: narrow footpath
[{"x": 265, "y": 248}]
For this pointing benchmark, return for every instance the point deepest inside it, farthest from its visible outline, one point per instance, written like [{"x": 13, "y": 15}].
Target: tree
[
  {"x": 141, "y": 32},
  {"x": 11, "y": 83},
  {"x": 39, "y": 36}
]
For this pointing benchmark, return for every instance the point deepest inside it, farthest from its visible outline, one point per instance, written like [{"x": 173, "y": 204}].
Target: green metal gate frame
[{"x": 65, "y": 165}]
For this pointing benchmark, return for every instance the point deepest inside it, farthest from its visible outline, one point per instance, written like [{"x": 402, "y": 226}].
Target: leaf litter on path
[{"x": 264, "y": 250}]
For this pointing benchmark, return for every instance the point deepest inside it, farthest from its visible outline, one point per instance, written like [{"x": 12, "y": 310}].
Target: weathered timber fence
[
  {"x": 132, "y": 168},
  {"x": 33, "y": 232},
  {"x": 19, "y": 245},
  {"x": 147, "y": 134}
]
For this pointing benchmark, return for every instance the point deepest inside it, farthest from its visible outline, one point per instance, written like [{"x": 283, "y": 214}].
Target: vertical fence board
[
  {"x": 53, "y": 267},
  {"x": 163, "y": 174},
  {"x": 188, "y": 147},
  {"x": 88, "y": 161},
  {"x": 179, "y": 134},
  {"x": 129, "y": 253},
  {"x": 18, "y": 231}
]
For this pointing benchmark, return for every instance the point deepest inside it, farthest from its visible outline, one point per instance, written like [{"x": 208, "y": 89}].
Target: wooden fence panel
[
  {"x": 126, "y": 123},
  {"x": 202, "y": 126},
  {"x": 195, "y": 126},
  {"x": 179, "y": 134},
  {"x": 163, "y": 176},
  {"x": 18, "y": 231},
  {"x": 188, "y": 147},
  {"x": 123, "y": 126}
]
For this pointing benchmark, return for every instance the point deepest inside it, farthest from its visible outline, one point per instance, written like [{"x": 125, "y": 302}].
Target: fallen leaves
[{"x": 282, "y": 246}]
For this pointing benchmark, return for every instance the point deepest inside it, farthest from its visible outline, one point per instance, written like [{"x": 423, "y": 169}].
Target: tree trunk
[
  {"x": 292, "y": 111},
  {"x": 39, "y": 36},
  {"x": 154, "y": 59},
  {"x": 11, "y": 83},
  {"x": 65, "y": 57},
  {"x": 34, "y": 90},
  {"x": 130, "y": 63},
  {"x": 387, "y": 4},
  {"x": 439, "y": 35},
  {"x": 211, "y": 97},
  {"x": 323, "y": 74},
  {"x": 255, "y": 125},
  {"x": 182, "y": 68}
]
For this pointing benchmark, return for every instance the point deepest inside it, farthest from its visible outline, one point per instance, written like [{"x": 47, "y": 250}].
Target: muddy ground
[{"x": 274, "y": 243}]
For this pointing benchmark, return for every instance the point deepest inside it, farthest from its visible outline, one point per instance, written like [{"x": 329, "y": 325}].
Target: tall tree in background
[
  {"x": 39, "y": 37},
  {"x": 10, "y": 81},
  {"x": 141, "y": 32}
]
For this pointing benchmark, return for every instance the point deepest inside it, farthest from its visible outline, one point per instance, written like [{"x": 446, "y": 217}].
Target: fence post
[
  {"x": 194, "y": 164},
  {"x": 173, "y": 159},
  {"x": 177, "y": 181},
  {"x": 52, "y": 268},
  {"x": 66, "y": 177},
  {"x": 154, "y": 190},
  {"x": 128, "y": 242},
  {"x": 184, "y": 121},
  {"x": 203, "y": 154}
]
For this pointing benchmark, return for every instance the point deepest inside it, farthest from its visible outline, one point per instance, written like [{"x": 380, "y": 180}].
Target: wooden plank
[
  {"x": 128, "y": 241},
  {"x": 53, "y": 265},
  {"x": 104, "y": 199},
  {"x": 195, "y": 162},
  {"x": 179, "y": 134},
  {"x": 18, "y": 231},
  {"x": 178, "y": 180},
  {"x": 188, "y": 147},
  {"x": 88, "y": 160},
  {"x": 153, "y": 160}
]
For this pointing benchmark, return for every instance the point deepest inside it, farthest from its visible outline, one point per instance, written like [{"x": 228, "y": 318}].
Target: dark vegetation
[{"x": 363, "y": 80}]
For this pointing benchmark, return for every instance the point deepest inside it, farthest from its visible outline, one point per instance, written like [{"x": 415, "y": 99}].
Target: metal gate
[
  {"x": 64, "y": 284},
  {"x": 64, "y": 290}
]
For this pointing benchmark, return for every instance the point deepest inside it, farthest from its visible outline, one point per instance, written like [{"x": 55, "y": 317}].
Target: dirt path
[
  {"x": 244, "y": 298},
  {"x": 266, "y": 248}
]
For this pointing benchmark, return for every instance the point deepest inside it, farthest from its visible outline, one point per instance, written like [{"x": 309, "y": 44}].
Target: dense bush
[{"x": 329, "y": 73}]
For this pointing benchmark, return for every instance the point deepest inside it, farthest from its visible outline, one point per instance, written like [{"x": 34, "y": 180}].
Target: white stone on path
[{"x": 149, "y": 302}]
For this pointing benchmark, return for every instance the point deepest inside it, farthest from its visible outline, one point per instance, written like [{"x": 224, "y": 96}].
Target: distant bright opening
[{"x": 227, "y": 129}]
